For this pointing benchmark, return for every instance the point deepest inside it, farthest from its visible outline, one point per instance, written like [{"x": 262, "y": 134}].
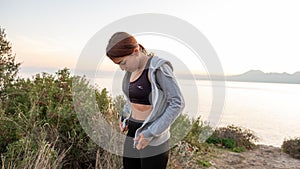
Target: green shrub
[
  {"x": 198, "y": 132},
  {"x": 8, "y": 78},
  {"x": 8, "y": 70},
  {"x": 8, "y": 133},
  {"x": 190, "y": 150},
  {"x": 46, "y": 103},
  {"x": 234, "y": 138},
  {"x": 180, "y": 128},
  {"x": 292, "y": 147},
  {"x": 204, "y": 163},
  {"x": 238, "y": 149},
  {"x": 228, "y": 143},
  {"x": 39, "y": 124}
]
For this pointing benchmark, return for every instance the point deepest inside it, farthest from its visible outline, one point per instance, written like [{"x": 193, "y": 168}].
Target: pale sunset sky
[{"x": 256, "y": 34}]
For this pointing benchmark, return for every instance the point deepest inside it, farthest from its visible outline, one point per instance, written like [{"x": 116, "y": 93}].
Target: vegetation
[
  {"x": 234, "y": 138},
  {"x": 8, "y": 71},
  {"x": 292, "y": 147},
  {"x": 40, "y": 126},
  {"x": 8, "y": 77},
  {"x": 201, "y": 142},
  {"x": 189, "y": 151},
  {"x": 42, "y": 117}
]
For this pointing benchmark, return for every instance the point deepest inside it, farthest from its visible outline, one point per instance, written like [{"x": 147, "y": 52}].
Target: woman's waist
[
  {"x": 141, "y": 107},
  {"x": 140, "y": 112}
]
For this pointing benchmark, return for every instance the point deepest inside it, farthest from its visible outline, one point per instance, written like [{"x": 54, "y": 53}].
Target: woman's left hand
[{"x": 141, "y": 142}]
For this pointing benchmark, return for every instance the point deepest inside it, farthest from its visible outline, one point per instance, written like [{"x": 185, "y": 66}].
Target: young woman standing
[{"x": 154, "y": 101}]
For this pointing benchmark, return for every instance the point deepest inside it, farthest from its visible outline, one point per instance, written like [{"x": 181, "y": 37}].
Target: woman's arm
[{"x": 175, "y": 102}]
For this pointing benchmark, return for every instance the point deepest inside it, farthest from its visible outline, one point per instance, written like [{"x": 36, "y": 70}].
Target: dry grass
[{"x": 45, "y": 158}]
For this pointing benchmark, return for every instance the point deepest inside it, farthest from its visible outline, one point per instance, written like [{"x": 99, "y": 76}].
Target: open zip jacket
[{"x": 166, "y": 99}]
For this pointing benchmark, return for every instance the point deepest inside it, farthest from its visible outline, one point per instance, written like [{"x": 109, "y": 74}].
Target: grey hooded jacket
[{"x": 166, "y": 99}]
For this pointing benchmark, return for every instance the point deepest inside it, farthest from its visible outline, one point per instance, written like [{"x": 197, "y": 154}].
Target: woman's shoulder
[
  {"x": 157, "y": 62},
  {"x": 161, "y": 67}
]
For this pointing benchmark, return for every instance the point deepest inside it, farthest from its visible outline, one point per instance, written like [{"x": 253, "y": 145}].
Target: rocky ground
[{"x": 263, "y": 157}]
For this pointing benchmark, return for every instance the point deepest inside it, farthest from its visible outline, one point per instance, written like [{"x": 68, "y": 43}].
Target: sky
[{"x": 257, "y": 34}]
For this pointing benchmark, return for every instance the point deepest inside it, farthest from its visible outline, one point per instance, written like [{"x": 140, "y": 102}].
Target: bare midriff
[{"x": 140, "y": 111}]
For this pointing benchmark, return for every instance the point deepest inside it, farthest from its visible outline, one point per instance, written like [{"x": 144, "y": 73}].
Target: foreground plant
[
  {"x": 234, "y": 138},
  {"x": 292, "y": 147}
]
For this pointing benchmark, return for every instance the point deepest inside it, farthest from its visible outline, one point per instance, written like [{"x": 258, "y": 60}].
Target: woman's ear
[{"x": 136, "y": 51}]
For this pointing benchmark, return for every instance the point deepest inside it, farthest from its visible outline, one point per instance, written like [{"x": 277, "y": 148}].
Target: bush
[
  {"x": 190, "y": 150},
  {"x": 292, "y": 147},
  {"x": 8, "y": 70},
  {"x": 39, "y": 127},
  {"x": 198, "y": 131},
  {"x": 179, "y": 129},
  {"x": 234, "y": 138},
  {"x": 44, "y": 106}
]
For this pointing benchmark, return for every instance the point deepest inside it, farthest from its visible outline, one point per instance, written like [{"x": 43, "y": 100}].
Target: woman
[{"x": 154, "y": 101}]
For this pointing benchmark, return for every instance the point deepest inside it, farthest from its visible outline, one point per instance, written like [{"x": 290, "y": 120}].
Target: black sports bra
[{"x": 140, "y": 89}]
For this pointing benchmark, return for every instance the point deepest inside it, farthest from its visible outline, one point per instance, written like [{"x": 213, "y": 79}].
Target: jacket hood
[{"x": 157, "y": 62}]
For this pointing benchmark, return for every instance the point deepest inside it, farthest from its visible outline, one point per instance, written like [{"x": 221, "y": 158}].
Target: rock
[{"x": 263, "y": 157}]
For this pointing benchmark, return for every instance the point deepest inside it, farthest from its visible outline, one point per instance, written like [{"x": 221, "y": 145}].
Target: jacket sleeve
[
  {"x": 175, "y": 102},
  {"x": 124, "y": 114}
]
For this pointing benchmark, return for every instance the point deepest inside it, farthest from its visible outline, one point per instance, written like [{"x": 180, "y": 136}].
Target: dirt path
[{"x": 263, "y": 157}]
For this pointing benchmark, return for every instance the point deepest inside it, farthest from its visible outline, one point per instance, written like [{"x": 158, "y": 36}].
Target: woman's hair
[{"x": 123, "y": 44}]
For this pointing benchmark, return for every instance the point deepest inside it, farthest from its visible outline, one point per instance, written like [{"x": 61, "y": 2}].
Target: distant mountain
[
  {"x": 297, "y": 73},
  {"x": 260, "y": 76}
]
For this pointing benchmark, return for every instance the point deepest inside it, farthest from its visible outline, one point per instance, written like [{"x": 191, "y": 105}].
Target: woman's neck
[{"x": 142, "y": 62}]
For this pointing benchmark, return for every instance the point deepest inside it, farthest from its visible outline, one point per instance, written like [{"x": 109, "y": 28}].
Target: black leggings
[{"x": 151, "y": 157}]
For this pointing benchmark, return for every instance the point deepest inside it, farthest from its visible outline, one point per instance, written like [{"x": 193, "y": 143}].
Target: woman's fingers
[
  {"x": 141, "y": 142},
  {"x": 122, "y": 128}
]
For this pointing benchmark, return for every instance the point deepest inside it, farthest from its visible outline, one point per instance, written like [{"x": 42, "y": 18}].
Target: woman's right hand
[{"x": 123, "y": 127}]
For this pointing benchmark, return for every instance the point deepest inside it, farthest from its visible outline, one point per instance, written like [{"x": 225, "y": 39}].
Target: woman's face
[{"x": 128, "y": 63}]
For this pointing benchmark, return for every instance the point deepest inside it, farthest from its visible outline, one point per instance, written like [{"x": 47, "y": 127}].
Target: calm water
[{"x": 271, "y": 110}]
